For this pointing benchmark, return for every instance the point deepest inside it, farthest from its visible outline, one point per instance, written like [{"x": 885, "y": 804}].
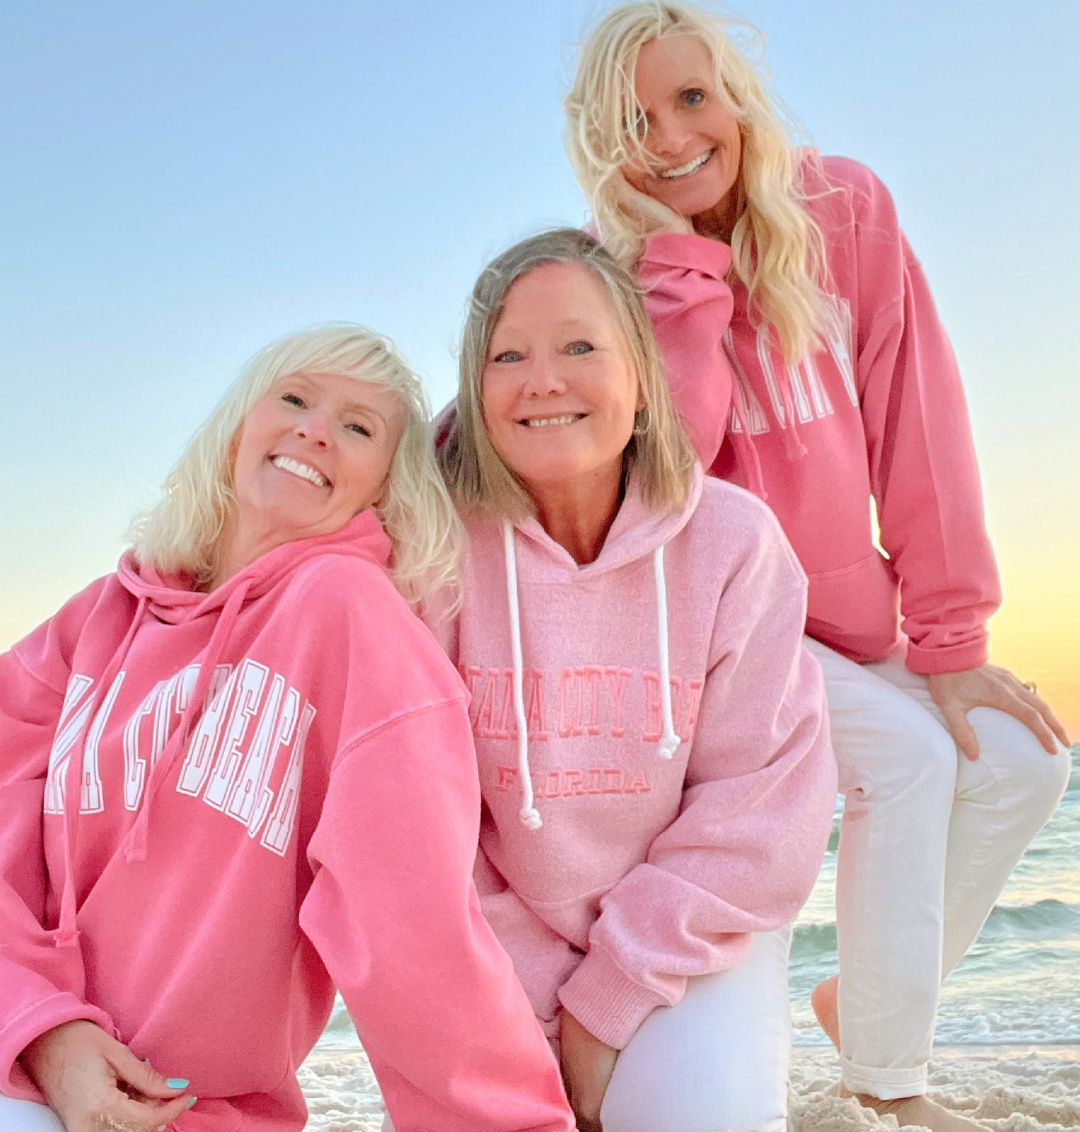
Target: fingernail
[
  {"x": 178, "y": 1082},
  {"x": 191, "y": 1103}
]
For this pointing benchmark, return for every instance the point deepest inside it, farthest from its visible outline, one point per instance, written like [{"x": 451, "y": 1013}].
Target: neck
[
  {"x": 719, "y": 221},
  {"x": 238, "y": 547},
  {"x": 578, "y": 514}
]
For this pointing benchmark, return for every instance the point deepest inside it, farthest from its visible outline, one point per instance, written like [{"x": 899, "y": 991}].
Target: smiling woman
[{"x": 238, "y": 773}]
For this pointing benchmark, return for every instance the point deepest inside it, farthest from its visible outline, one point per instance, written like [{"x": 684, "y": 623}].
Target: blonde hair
[
  {"x": 777, "y": 248},
  {"x": 183, "y": 531},
  {"x": 659, "y": 452}
]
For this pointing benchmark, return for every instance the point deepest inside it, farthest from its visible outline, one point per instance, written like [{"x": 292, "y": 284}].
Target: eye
[
  {"x": 293, "y": 399},
  {"x": 508, "y": 356},
  {"x": 693, "y": 97},
  {"x": 359, "y": 429},
  {"x": 576, "y": 349}
]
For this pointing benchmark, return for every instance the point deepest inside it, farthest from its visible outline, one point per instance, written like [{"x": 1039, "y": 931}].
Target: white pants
[
  {"x": 717, "y": 1060},
  {"x": 927, "y": 841},
  {"x": 26, "y": 1116}
]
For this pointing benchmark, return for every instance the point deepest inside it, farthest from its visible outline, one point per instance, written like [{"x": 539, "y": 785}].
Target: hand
[
  {"x": 956, "y": 693},
  {"x": 587, "y": 1065},
  {"x": 93, "y": 1082},
  {"x": 647, "y": 214}
]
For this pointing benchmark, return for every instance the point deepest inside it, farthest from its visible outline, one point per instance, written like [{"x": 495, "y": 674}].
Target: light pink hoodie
[
  {"x": 646, "y": 868},
  {"x": 319, "y": 828},
  {"x": 879, "y": 411}
]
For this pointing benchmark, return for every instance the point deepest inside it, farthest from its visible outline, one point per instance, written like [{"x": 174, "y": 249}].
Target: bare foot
[
  {"x": 823, "y": 1000},
  {"x": 920, "y": 1112}
]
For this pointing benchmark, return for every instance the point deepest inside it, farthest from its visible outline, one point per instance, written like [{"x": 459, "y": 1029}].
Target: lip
[
  {"x": 692, "y": 167},
  {"x": 297, "y": 475},
  {"x": 537, "y": 422}
]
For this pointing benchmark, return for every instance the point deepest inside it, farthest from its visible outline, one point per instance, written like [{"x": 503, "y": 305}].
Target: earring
[{"x": 641, "y": 421}]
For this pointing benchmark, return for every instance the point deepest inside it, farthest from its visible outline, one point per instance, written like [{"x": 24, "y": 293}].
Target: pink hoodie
[
  {"x": 670, "y": 825},
  {"x": 879, "y": 411},
  {"x": 199, "y": 900}
]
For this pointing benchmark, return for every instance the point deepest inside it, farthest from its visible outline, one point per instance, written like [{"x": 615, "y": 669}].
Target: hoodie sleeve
[
  {"x": 922, "y": 458},
  {"x": 684, "y": 280},
  {"x": 757, "y": 804},
  {"x": 394, "y": 915},
  {"x": 41, "y": 985}
]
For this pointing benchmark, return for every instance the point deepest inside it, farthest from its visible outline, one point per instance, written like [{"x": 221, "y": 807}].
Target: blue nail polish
[
  {"x": 178, "y": 1082},
  {"x": 191, "y": 1103}
]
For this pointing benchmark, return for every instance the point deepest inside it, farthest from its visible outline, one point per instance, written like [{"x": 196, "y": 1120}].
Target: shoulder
[
  {"x": 48, "y": 651},
  {"x": 840, "y": 190},
  {"x": 731, "y": 525}
]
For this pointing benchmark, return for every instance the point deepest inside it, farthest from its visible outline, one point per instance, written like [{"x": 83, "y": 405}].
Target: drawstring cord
[
  {"x": 67, "y": 934},
  {"x": 669, "y": 740},
  {"x": 135, "y": 849},
  {"x": 530, "y": 816}
]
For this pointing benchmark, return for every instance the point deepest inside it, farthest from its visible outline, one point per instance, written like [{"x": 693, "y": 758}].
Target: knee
[
  {"x": 1029, "y": 776},
  {"x": 907, "y": 753}
]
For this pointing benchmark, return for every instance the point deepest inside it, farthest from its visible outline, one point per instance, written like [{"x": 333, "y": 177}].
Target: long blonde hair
[
  {"x": 777, "y": 248},
  {"x": 183, "y": 531},
  {"x": 659, "y": 452}
]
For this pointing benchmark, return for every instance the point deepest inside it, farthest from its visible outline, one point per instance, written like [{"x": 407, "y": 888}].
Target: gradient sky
[{"x": 185, "y": 182}]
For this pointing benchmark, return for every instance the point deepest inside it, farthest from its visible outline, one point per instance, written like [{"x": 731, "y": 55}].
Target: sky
[{"x": 186, "y": 182}]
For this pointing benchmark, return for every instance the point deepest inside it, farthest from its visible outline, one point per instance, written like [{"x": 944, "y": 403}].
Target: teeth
[
  {"x": 287, "y": 464},
  {"x": 542, "y": 422},
  {"x": 689, "y": 167}
]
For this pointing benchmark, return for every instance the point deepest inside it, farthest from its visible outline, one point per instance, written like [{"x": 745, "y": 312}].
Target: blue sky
[{"x": 186, "y": 182}]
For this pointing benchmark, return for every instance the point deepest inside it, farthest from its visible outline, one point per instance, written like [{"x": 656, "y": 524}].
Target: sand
[{"x": 1009, "y": 1088}]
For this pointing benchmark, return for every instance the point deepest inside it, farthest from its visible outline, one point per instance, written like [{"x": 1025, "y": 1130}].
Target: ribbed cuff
[
  {"x": 18, "y": 1033},
  {"x": 955, "y": 658},
  {"x": 698, "y": 253},
  {"x": 606, "y": 1001}
]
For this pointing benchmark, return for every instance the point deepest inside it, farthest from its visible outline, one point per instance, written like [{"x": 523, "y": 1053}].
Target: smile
[
  {"x": 544, "y": 422},
  {"x": 688, "y": 168},
  {"x": 304, "y": 471}
]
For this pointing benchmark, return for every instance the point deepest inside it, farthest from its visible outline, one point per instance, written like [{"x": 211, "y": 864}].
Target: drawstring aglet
[
  {"x": 530, "y": 817},
  {"x": 668, "y": 745},
  {"x": 66, "y": 937}
]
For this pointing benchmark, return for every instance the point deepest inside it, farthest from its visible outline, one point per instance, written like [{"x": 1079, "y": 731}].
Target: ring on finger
[{"x": 1032, "y": 687}]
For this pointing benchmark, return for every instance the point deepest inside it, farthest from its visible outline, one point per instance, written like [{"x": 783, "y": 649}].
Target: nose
[
  {"x": 314, "y": 428},
  {"x": 542, "y": 378},
  {"x": 667, "y": 135}
]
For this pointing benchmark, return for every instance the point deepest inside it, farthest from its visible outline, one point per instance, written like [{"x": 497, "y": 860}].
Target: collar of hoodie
[{"x": 638, "y": 531}]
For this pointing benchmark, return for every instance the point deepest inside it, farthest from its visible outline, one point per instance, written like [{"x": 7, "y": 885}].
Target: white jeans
[
  {"x": 927, "y": 841},
  {"x": 26, "y": 1116},
  {"x": 718, "y": 1059}
]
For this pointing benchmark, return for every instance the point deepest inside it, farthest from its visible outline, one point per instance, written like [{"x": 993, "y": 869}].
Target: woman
[
  {"x": 277, "y": 791},
  {"x": 654, "y": 764},
  {"x": 806, "y": 357}
]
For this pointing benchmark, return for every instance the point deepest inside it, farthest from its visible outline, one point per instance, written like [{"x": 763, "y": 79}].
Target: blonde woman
[
  {"x": 654, "y": 762},
  {"x": 238, "y": 772},
  {"x": 807, "y": 360}
]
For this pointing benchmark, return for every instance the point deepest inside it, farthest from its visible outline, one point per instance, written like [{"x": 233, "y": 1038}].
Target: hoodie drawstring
[
  {"x": 669, "y": 740},
  {"x": 135, "y": 849},
  {"x": 744, "y": 440},
  {"x": 530, "y": 816},
  {"x": 67, "y": 934}
]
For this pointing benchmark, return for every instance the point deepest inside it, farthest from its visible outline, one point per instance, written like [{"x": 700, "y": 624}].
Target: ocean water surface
[{"x": 1018, "y": 983}]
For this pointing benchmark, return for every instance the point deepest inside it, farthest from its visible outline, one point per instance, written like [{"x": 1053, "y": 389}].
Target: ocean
[{"x": 1019, "y": 982}]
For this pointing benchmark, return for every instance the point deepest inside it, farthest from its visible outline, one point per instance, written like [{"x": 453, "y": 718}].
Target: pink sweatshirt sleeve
[
  {"x": 41, "y": 985},
  {"x": 684, "y": 279},
  {"x": 394, "y": 915},
  {"x": 922, "y": 457},
  {"x": 760, "y": 789}
]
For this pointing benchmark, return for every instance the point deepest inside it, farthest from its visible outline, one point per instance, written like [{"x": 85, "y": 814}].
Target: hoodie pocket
[{"x": 856, "y": 609}]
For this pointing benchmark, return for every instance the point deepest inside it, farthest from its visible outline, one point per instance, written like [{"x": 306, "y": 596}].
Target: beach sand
[{"x": 1009, "y": 1088}]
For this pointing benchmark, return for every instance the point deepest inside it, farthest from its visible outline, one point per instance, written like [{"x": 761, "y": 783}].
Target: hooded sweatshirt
[
  {"x": 210, "y": 875},
  {"x": 877, "y": 412},
  {"x": 653, "y": 750}
]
